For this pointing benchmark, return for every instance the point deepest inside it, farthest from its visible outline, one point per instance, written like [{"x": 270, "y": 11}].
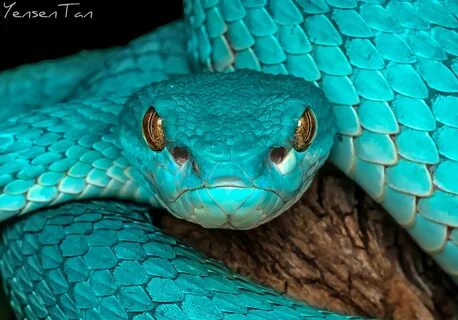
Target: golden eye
[
  {"x": 153, "y": 131},
  {"x": 305, "y": 131}
]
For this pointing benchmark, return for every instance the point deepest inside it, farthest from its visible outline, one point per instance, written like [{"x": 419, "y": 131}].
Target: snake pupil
[
  {"x": 153, "y": 131},
  {"x": 195, "y": 167},
  {"x": 305, "y": 131}
]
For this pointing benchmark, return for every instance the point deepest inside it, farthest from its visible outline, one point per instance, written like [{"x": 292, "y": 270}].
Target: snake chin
[{"x": 228, "y": 207}]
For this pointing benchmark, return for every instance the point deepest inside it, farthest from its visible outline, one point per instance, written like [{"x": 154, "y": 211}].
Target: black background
[{"x": 113, "y": 23}]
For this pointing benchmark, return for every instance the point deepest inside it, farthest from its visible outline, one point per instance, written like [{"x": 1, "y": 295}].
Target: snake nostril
[
  {"x": 195, "y": 167},
  {"x": 278, "y": 154},
  {"x": 181, "y": 155}
]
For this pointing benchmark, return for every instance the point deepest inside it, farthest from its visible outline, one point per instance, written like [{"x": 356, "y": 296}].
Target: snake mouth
[
  {"x": 225, "y": 185},
  {"x": 227, "y": 206}
]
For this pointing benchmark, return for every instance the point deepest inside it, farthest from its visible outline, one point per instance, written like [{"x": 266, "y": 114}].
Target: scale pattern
[
  {"x": 153, "y": 57},
  {"x": 39, "y": 85},
  {"x": 150, "y": 58},
  {"x": 105, "y": 260},
  {"x": 60, "y": 153},
  {"x": 390, "y": 69}
]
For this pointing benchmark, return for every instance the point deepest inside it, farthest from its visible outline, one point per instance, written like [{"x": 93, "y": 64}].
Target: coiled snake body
[{"x": 222, "y": 149}]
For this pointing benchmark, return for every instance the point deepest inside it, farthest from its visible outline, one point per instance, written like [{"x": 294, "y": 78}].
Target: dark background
[{"x": 114, "y": 23}]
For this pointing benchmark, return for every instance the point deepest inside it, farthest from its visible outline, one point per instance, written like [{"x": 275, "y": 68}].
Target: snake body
[{"x": 383, "y": 95}]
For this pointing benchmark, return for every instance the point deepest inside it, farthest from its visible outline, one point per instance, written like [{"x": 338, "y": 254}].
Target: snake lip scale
[
  {"x": 371, "y": 86},
  {"x": 228, "y": 186}
]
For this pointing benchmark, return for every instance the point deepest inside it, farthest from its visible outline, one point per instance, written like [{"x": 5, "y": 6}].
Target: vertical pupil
[
  {"x": 305, "y": 131},
  {"x": 152, "y": 130}
]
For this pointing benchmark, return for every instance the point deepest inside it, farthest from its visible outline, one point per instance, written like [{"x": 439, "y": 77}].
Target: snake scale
[{"x": 146, "y": 123}]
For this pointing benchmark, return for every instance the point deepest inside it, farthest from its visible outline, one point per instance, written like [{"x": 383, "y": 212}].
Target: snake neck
[{"x": 64, "y": 153}]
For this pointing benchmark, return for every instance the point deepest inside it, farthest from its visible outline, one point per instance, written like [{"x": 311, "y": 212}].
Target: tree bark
[{"x": 336, "y": 249}]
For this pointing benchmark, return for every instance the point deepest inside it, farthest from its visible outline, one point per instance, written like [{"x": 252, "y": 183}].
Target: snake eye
[
  {"x": 305, "y": 131},
  {"x": 153, "y": 131}
]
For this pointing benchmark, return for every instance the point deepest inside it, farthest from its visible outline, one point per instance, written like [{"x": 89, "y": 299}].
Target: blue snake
[{"x": 211, "y": 119}]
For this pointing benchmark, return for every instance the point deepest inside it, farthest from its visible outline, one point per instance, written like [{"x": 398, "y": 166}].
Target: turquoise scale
[
  {"x": 390, "y": 69},
  {"x": 73, "y": 171},
  {"x": 164, "y": 281}
]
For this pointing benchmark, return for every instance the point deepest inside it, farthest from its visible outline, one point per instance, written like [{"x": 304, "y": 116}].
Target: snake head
[{"x": 227, "y": 150}]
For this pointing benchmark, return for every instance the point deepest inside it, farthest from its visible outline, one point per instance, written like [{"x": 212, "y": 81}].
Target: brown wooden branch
[{"x": 335, "y": 249}]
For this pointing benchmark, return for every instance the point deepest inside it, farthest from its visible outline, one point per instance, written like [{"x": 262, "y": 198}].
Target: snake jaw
[{"x": 227, "y": 207}]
